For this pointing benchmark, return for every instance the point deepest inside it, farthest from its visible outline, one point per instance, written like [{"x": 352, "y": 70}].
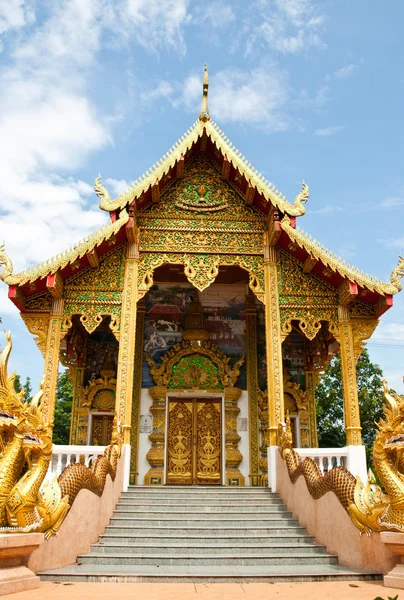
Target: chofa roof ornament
[{"x": 204, "y": 114}]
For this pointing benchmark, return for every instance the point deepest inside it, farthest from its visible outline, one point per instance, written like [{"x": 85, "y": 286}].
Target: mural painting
[{"x": 167, "y": 306}]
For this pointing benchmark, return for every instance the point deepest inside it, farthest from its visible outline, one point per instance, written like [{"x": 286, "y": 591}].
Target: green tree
[
  {"x": 63, "y": 409},
  {"x": 27, "y": 387},
  {"x": 17, "y": 383},
  {"x": 330, "y": 407}
]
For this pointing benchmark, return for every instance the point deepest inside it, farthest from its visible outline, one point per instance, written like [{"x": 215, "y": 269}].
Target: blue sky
[{"x": 305, "y": 89}]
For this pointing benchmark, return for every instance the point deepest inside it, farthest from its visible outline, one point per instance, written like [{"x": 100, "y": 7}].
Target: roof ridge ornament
[{"x": 204, "y": 114}]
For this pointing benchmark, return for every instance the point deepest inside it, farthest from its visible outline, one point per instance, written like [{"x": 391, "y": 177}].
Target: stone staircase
[{"x": 201, "y": 534}]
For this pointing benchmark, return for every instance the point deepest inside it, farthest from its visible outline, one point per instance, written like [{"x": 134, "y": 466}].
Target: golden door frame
[
  {"x": 226, "y": 379},
  {"x": 193, "y": 477}
]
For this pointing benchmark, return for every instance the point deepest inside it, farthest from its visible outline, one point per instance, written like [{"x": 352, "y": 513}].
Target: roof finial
[{"x": 204, "y": 114}]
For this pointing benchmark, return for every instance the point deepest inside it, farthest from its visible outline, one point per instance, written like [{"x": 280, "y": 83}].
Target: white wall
[
  {"x": 144, "y": 442},
  {"x": 243, "y": 444}
]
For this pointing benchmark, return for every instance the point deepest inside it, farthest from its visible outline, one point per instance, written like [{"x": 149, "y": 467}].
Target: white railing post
[
  {"x": 356, "y": 462},
  {"x": 126, "y": 466},
  {"x": 353, "y": 458},
  {"x": 272, "y": 452}
]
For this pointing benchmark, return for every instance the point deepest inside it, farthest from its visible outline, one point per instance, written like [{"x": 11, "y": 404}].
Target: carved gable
[{"x": 201, "y": 212}]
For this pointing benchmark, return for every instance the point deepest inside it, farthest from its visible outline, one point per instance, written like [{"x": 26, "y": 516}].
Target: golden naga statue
[
  {"x": 370, "y": 507},
  {"x": 27, "y": 504}
]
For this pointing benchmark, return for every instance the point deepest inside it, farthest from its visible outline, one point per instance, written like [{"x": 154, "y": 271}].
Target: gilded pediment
[{"x": 201, "y": 200}]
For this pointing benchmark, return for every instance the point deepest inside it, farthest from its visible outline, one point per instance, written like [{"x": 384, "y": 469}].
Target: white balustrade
[
  {"x": 325, "y": 458},
  {"x": 63, "y": 456},
  {"x": 352, "y": 458}
]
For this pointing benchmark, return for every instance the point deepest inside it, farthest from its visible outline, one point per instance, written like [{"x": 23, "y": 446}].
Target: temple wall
[
  {"x": 83, "y": 525},
  {"x": 331, "y": 525},
  {"x": 243, "y": 444},
  {"x": 144, "y": 442}
]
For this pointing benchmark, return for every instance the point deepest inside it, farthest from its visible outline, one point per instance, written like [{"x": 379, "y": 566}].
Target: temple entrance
[
  {"x": 101, "y": 429},
  {"x": 194, "y": 441}
]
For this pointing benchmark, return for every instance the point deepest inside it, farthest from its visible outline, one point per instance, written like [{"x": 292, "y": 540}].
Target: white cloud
[
  {"x": 258, "y": 97},
  {"x": 14, "y": 14},
  {"x": 286, "y": 26},
  {"x": 394, "y": 243},
  {"x": 392, "y": 201},
  {"x": 344, "y": 72},
  {"x": 163, "y": 89},
  {"x": 216, "y": 14},
  {"x": 156, "y": 24},
  {"x": 117, "y": 186},
  {"x": 327, "y": 210},
  {"x": 329, "y": 130},
  {"x": 389, "y": 332},
  {"x": 48, "y": 123}
]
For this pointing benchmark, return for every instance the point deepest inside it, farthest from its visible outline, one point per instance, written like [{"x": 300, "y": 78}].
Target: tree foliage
[
  {"x": 330, "y": 406},
  {"x": 27, "y": 387},
  {"x": 63, "y": 409}
]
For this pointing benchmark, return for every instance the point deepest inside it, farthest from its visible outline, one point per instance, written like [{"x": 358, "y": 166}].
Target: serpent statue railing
[
  {"x": 370, "y": 507},
  {"x": 28, "y": 503}
]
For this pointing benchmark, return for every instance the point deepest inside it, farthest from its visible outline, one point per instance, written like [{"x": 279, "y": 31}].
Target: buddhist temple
[{"x": 200, "y": 314}]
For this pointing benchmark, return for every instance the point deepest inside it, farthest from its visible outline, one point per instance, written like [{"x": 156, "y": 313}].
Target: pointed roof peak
[{"x": 204, "y": 114}]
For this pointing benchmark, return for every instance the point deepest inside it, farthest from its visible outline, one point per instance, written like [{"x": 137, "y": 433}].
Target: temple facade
[{"x": 200, "y": 315}]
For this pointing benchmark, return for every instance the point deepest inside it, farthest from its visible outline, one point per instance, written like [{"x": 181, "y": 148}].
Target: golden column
[
  {"x": 312, "y": 408},
  {"x": 273, "y": 343},
  {"x": 124, "y": 384},
  {"x": 52, "y": 358},
  {"x": 348, "y": 367},
  {"x": 76, "y": 375},
  {"x": 252, "y": 387},
  {"x": 137, "y": 390}
]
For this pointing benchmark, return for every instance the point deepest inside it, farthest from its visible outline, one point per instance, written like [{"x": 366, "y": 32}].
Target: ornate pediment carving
[{"x": 195, "y": 365}]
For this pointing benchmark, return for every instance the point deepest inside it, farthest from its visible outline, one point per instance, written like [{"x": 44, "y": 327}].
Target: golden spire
[{"x": 204, "y": 114}]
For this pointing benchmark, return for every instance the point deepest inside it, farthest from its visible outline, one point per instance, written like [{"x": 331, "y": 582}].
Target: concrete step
[
  {"x": 175, "y": 538},
  {"x": 187, "y": 493},
  {"x": 195, "y": 560},
  {"x": 183, "y": 549},
  {"x": 140, "y": 528},
  {"x": 210, "y": 574},
  {"x": 203, "y": 521},
  {"x": 261, "y": 505},
  {"x": 150, "y": 509}
]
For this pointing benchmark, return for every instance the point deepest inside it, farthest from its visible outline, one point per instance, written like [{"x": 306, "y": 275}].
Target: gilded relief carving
[
  {"x": 94, "y": 294},
  {"x": 304, "y": 297}
]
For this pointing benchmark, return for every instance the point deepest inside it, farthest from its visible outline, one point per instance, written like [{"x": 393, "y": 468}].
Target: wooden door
[
  {"x": 101, "y": 430},
  {"x": 194, "y": 441}
]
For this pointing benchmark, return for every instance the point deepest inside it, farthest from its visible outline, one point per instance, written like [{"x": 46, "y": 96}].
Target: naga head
[
  {"x": 18, "y": 417},
  {"x": 390, "y": 435}
]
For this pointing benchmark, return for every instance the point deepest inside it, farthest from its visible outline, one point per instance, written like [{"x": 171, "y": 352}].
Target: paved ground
[{"x": 362, "y": 590}]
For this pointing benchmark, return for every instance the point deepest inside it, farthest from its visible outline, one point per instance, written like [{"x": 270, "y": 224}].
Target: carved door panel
[
  {"x": 179, "y": 442},
  {"x": 101, "y": 430},
  {"x": 194, "y": 446},
  {"x": 208, "y": 451}
]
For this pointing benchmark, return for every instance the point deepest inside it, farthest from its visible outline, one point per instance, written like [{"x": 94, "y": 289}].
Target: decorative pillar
[
  {"x": 137, "y": 389},
  {"x": 312, "y": 409},
  {"x": 155, "y": 456},
  {"x": 127, "y": 341},
  {"x": 252, "y": 387},
  {"x": 263, "y": 413},
  {"x": 76, "y": 375},
  {"x": 52, "y": 358},
  {"x": 348, "y": 367},
  {"x": 273, "y": 343},
  {"x": 232, "y": 438}
]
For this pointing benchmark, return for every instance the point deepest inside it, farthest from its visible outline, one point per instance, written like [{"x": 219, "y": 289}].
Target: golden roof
[
  {"x": 60, "y": 261},
  {"x": 338, "y": 265},
  {"x": 168, "y": 161},
  {"x": 203, "y": 126}
]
